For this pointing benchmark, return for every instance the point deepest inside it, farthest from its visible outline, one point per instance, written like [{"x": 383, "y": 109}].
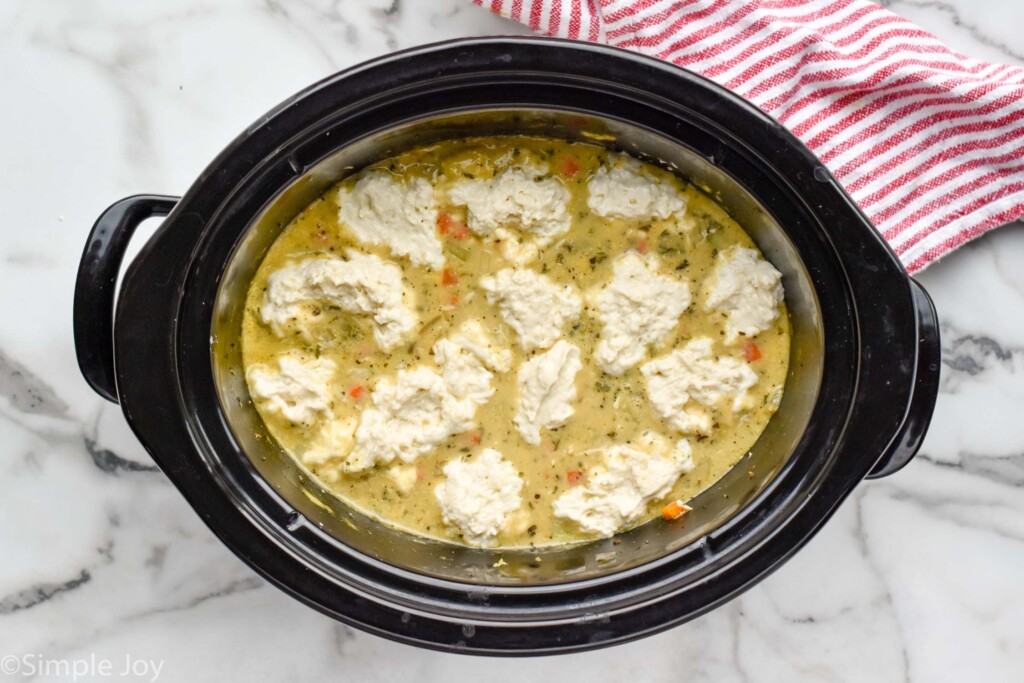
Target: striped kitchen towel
[{"x": 929, "y": 142}]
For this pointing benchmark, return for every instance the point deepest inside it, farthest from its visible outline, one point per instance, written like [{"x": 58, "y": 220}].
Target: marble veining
[
  {"x": 981, "y": 25},
  {"x": 915, "y": 578}
]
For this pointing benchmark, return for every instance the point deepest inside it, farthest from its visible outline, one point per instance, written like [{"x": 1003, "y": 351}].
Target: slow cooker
[{"x": 165, "y": 345}]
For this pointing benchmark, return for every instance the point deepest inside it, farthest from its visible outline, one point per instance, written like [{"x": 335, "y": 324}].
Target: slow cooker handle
[
  {"x": 97, "y": 284},
  {"x": 926, "y": 388}
]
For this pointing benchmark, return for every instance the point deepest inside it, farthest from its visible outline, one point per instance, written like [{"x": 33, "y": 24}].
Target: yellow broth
[{"x": 608, "y": 410}]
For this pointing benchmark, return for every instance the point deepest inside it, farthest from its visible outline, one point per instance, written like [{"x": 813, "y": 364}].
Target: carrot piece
[
  {"x": 356, "y": 391},
  {"x": 453, "y": 299},
  {"x": 675, "y": 510},
  {"x": 449, "y": 226},
  {"x": 444, "y": 222},
  {"x": 569, "y": 167},
  {"x": 449, "y": 277},
  {"x": 751, "y": 351},
  {"x": 641, "y": 245},
  {"x": 574, "y": 477},
  {"x": 470, "y": 438}
]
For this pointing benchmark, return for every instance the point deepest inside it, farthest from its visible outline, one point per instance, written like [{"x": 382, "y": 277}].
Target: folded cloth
[{"x": 927, "y": 141}]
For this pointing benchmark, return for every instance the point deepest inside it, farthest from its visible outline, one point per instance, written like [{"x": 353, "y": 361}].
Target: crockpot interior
[{"x": 356, "y": 531}]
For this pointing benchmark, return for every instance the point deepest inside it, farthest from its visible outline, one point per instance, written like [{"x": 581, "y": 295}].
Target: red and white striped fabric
[{"x": 929, "y": 142}]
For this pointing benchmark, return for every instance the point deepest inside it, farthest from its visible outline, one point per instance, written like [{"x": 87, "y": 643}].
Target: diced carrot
[
  {"x": 574, "y": 477},
  {"x": 751, "y": 351},
  {"x": 470, "y": 438},
  {"x": 675, "y": 510},
  {"x": 448, "y": 225},
  {"x": 449, "y": 277},
  {"x": 641, "y": 245},
  {"x": 453, "y": 299},
  {"x": 444, "y": 221},
  {"x": 569, "y": 167},
  {"x": 356, "y": 391}
]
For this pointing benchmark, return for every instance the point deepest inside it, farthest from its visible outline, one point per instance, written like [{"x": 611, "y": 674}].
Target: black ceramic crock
[{"x": 860, "y": 391}]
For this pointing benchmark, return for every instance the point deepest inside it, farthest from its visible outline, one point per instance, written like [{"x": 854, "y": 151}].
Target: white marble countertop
[{"x": 918, "y": 577}]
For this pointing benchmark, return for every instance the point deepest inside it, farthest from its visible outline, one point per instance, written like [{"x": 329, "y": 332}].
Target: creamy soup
[{"x": 515, "y": 341}]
